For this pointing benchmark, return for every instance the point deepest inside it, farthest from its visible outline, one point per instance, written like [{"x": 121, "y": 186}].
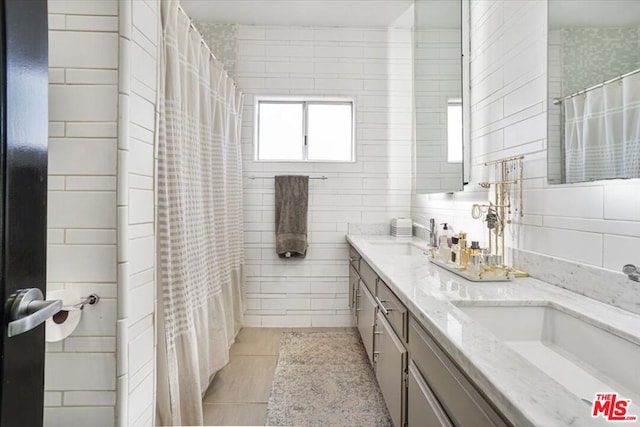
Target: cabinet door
[
  {"x": 366, "y": 318},
  {"x": 390, "y": 363},
  {"x": 354, "y": 278},
  {"x": 464, "y": 404},
  {"x": 423, "y": 408}
]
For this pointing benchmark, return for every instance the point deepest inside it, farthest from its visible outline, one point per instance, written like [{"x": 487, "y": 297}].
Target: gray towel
[{"x": 292, "y": 200}]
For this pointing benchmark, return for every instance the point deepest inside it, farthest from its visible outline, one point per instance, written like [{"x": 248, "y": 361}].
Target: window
[
  {"x": 454, "y": 130},
  {"x": 296, "y": 129}
]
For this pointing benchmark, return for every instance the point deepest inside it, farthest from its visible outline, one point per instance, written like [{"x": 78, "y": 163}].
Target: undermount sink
[
  {"x": 583, "y": 357},
  {"x": 399, "y": 248}
]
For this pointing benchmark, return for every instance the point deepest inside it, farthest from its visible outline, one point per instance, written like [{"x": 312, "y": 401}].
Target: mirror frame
[{"x": 464, "y": 50}]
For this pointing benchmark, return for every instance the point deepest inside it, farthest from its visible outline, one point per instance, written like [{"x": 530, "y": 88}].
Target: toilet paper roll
[{"x": 64, "y": 323}]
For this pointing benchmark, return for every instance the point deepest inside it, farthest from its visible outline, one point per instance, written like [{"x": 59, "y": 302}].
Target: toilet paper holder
[{"x": 90, "y": 300}]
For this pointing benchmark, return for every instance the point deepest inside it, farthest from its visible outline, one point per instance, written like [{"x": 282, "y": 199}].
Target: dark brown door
[{"x": 23, "y": 209}]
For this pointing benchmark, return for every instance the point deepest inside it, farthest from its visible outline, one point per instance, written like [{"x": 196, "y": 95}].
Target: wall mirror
[
  {"x": 593, "y": 90},
  {"x": 438, "y": 97}
]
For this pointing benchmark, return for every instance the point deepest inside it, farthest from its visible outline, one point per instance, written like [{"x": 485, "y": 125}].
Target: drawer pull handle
[{"x": 384, "y": 309}]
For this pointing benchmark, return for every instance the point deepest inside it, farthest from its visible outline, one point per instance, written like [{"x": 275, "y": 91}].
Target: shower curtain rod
[
  {"x": 580, "y": 92},
  {"x": 268, "y": 177},
  {"x": 193, "y": 27},
  {"x": 202, "y": 41}
]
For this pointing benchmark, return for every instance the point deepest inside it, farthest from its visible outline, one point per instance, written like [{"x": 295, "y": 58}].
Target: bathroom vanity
[{"x": 447, "y": 351}]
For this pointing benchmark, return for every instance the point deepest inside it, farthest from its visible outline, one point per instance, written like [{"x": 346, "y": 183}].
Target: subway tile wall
[
  {"x": 592, "y": 223},
  {"x": 101, "y": 208},
  {"x": 80, "y": 371},
  {"x": 138, "y": 86},
  {"x": 374, "y": 67}
]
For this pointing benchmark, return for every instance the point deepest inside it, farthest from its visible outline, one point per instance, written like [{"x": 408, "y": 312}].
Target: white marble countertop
[{"x": 523, "y": 393}]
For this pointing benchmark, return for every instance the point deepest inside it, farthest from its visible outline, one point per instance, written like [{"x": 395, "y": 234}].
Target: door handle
[{"x": 28, "y": 309}]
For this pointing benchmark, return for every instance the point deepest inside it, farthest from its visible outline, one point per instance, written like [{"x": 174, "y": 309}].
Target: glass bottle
[{"x": 455, "y": 250}]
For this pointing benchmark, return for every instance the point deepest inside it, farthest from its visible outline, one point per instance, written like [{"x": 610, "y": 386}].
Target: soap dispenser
[
  {"x": 444, "y": 240},
  {"x": 445, "y": 234}
]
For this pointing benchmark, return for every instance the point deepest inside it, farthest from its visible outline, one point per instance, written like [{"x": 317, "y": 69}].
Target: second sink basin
[{"x": 578, "y": 353}]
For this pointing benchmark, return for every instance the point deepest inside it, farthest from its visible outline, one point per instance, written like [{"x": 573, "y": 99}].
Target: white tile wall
[
  {"x": 84, "y": 108},
  {"x": 81, "y": 263},
  {"x": 101, "y": 208},
  {"x": 139, "y": 40},
  {"x": 592, "y": 223},
  {"x": 79, "y": 416},
  {"x": 92, "y": 49},
  {"x": 374, "y": 66},
  {"x": 80, "y": 371},
  {"x": 86, "y": 7},
  {"x": 82, "y": 156},
  {"x": 89, "y": 398},
  {"x": 77, "y": 371},
  {"x": 82, "y": 209}
]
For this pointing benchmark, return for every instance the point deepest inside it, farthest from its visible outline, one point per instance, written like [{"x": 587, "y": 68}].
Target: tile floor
[{"x": 239, "y": 393}]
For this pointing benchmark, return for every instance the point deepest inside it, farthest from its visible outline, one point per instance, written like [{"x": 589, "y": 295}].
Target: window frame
[{"x": 305, "y": 101}]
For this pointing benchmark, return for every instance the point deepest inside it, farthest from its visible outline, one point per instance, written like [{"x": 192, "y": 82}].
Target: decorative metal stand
[{"x": 507, "y": 202}]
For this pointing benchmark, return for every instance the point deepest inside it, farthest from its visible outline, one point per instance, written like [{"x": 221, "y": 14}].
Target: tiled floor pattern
[{"x": 239, "y": 393}]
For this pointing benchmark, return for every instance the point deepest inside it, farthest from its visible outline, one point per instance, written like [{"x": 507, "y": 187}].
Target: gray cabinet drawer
[
  {"x": 423, "y": 408},
  {"x": 393, "y": 309},
  {"x": 366, "y": 318},
  {"x": 390, "y": 362},
  {"x": 368, "y": 276},
  {"x": 462, "y": 402},
  {"x": 354, "y": 258}
]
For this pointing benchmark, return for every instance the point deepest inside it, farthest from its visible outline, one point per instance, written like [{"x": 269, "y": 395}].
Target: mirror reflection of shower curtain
[
  {"x": 200, "y": 220},
  {"x": 602, "y": 132}
]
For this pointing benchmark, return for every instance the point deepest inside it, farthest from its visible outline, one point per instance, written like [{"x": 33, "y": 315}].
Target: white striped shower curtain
[
  {"x": 200, "y": 232},
  {"x": 602, "y": 132}
]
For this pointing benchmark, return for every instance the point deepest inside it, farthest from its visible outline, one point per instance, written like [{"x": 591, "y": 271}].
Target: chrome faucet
[
  {"x": 632, "y": 272},
  {"x": 433, "y": 235}
]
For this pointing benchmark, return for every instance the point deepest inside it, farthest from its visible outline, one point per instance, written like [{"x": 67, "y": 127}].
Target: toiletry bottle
[
  {"x": 464, "y": 252},
  {"x": 475, "y": 264},
  {"x": 475, "y": 248},
  {"x": 444, "y": 252},
  {"x": 455, "y": 250},
  {"x": 446, "y": 231}
]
